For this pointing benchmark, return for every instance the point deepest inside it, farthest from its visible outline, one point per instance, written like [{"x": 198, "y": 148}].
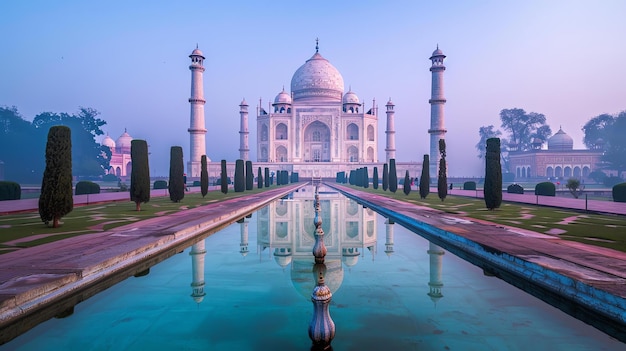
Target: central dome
[
  {"x": 317, "y": 79},
  {"x": 560, "y": 141}
]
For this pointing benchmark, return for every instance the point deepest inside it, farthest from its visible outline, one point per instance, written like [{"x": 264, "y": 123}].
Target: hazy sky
[{"x": 129, "y": 60}]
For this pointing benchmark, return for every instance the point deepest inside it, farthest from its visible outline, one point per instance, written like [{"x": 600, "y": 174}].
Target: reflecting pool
[{"x": 248, "y": 287}]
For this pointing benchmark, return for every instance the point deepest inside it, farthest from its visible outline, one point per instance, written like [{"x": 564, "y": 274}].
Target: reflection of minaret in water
[
  {"x": 389, "y": 237},
  {"x": 197, "y": 270},
  {"x": 435, "y": 284},
  {"x": 243, "y": 245}
]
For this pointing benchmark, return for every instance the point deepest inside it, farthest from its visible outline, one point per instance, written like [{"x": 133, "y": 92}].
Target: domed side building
[
  {"x": 120, "y": 163},
  {"x": 317, "y": 122},
  {"x": 559, "y": 161}
]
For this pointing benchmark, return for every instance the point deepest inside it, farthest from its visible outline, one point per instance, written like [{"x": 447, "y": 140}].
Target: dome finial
[
  {"x": 196, "y": 45},
  {"x": 317, "y": 45}
]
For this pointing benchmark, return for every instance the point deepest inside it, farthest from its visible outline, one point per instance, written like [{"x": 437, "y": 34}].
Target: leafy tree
[
  {"x": 204, "y": 176},
  {"x": 19, "y": 142},
  {"x": 425, "y": 177},
  {"x": 486, "y": 132},
  {"x": 56, "y": 198},
  {"x": 249, "y": 176},
  {"x": 224, "y": 178},
  {"x": 493, "y": 175},
  {"x": 393, "y": 176},
  {"x": 259, "y": 179},
  {"x": 176, "y": 184},
  {"x": 597, "y": 131},
  {"x": 140, "y": 173},
  {"x": 240, "y": 181},
  {"x": 385, "y": 177},
  {"x": 375, "y": 178},
  {"x": 615, "y": 151},
  {"x": 407, "y": 183},
  {"x": 442, "y": 179},
  {"x": 267, "y": 177},
  {"x": 524, "y": 127},
  {"x": 573, "y": 185}
]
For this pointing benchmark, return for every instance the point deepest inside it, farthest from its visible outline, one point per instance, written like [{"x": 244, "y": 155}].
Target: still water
[{"x": 248, "y": 287}]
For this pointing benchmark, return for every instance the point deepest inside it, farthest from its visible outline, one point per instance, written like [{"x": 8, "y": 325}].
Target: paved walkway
[
  {"x": 592, "y": 276},
  {"x": 34, "y": 278}
]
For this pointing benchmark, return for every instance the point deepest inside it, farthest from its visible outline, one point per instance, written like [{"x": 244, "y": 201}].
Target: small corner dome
[
  {"x": 108, "y": 141},
  {"x": 350, "y": 98},
  {"x": 560, "y": 141},
  {"x": 283, "y": 98},
  {"x": 124, "y": 140}
]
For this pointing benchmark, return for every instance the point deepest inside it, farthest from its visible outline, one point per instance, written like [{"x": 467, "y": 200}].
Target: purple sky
[{"x": 129, "y": 60}]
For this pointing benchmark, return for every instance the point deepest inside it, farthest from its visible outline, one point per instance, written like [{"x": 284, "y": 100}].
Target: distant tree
[
  {"x": 224, "y": 178},
  {"x": 524, "y": 127},
  {"x": 385, "y": 177},
  {"x": 176, "y": 184},
  {"x": 375, "y": 178},
  {"x": 140, "y": 173},
  {"x": 240, "y": 181},
  {"x": 442, "y": 178},
  {"x": 393, "y": 176},
  {"x": 493, "y": 175},
  {"x": 259, "y": 179},
  {"x": 204, "y": 176},
  {"x": 597, "y": 131},
  {"x": 267, "y": 177},
  {"x": 407, "y": 183},
  {"x": 615, "y": 151},
  {"x": 425, "y": 178},
  {"x": 486, "y": 132},
  {"x": 20, "y": 141},
  {"x": 56, "y": 198},
  {"x": 573, "y": 185},
  {"x": 249, "y": 176}
]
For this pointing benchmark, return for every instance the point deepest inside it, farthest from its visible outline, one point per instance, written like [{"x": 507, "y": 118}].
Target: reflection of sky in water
[{"x": 383, "y": 284}]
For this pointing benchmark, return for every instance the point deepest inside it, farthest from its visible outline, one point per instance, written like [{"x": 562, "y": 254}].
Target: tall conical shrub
[
  {"x": 204, "y": 176},
  {"x": 442, "y": 177},
  {"x": 375, "y": 178},
  {"x": 249, "y": 176},
  {"x": 407, "y": 183},
  {"x": 385, "y": 177},
  {"x": 140, "y": 173},
  {"x": 259, "y": 179},
  {"x": 240, "y": 181},
  {"x": 267, "y": 177},
  {"x": 56, "y": 199},
  {"x": 176, "y": 184},
  {"x": 493, "y": 175},
  {"x": 223, "y": 178},
  {"x": 425, "y": 178},
  {"x": 393, "y": 176}
]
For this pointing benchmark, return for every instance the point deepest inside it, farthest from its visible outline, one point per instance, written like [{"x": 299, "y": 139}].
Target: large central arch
[{"x": 317, "y": 142}]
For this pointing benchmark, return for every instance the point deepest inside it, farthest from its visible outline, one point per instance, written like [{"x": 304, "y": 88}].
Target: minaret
[
  {"x": 391, "y": 132},
  {"x": 436, "y": 254},
  {"x": 197, "y": 254},
  {"x": 437, "y": 101},
  {"x": 244, "y": 149},
  {"x": 243, "y": 244},
  {"x": 197, "y": 131}
]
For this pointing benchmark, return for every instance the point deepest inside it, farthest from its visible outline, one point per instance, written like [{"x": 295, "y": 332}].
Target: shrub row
[
  {"x": 515, "y": 189},
  {"x": 86, "y": 187},
  {"x": 10, "y": 190}
]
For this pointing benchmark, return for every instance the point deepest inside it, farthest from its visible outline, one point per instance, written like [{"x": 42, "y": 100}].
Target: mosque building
[
  {"x": 559, "y": 161},
  {"x": 120, "y": 163}
]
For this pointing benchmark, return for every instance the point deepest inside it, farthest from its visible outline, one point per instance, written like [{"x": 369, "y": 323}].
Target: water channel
[{"x": 248, "y": 287}]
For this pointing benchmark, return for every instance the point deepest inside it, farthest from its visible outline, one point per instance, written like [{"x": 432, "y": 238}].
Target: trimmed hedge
[
  {"x": 545, "y": 189},
  {"x": 86, "y": 187},
  {"x": 515, "y": 189},
  {"x": 471, "y": 185},
  {"x": 10, "y": 190},
  {"x": 619, "y": 192},
  {"x": 110, "y": 178},
  {"x": 160, "y": 184},
  {"x": 196, "y": 183}
]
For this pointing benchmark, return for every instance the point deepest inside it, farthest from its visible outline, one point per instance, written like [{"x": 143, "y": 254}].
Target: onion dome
[
  {"x": 108, "y": 141},
  {"x": 317, "y": 79},
  {"x": 350, "y": 98},
  {"x": 124, "y": 140},
  {"x": 560, "y": 142},
  {"x": 283, "y": 98}
]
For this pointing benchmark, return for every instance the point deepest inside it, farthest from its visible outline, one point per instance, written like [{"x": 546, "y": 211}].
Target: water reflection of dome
[
  {"x": 282, "y": 256},
  {"x": 350, "y": 256},
  {"x": 304, "y": 279}
]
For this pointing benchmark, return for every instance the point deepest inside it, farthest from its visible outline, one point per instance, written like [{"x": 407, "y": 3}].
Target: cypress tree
[
  {"x": 176, "y": 184},
  {"x": 204, "y": 176},
  {"x": 140, "y": 173},
  {"x": 249, "y": 176},
  {"x": 385, "y": 177},
  {"x": 375, "y": 178},
  {"x": 442, "y": 178},
  {"x": 493, "y": 175},
  {"x": 223, "y": 178},
  {"x": 366, "y": 178},
  {"x": 240, "y": 181},
  {"x": 425, "y": 178},
  {"x": 259, "y": 179},
  {"x": 407, "y": 183},
  {"x": 393, "y": 176},
  {"x": 267, "y": 177},
  {"x": 56, "y": 198}
]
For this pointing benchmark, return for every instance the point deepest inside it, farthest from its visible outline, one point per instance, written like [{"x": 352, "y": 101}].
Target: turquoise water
[{"x": 392, "y": 290}]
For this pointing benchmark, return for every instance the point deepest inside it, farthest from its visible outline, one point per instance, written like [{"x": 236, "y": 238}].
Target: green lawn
[
  {"x": 26, "y": 229},
  {"x": 589, "y": 228}
]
